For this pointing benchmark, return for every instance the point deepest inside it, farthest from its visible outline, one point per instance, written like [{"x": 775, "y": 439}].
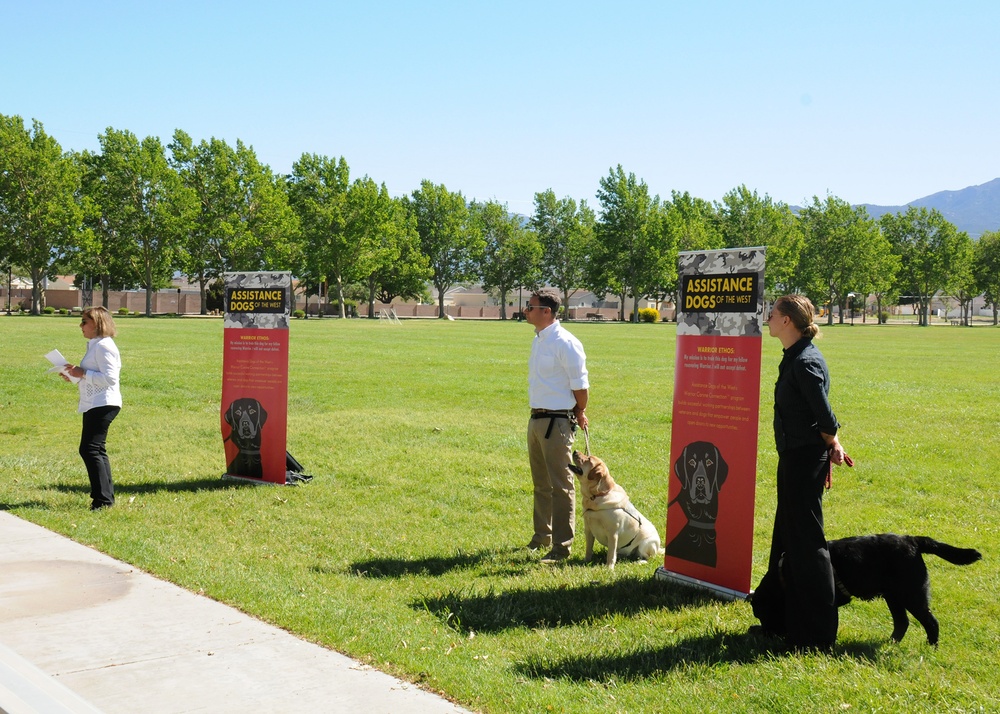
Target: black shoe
[
  {"x": 538, "y": 545},
  {"x": 555, "y": 556},
  {"x": 100, "y": 506}
]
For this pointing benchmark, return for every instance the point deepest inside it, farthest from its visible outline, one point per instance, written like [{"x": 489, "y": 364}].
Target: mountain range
[{"x": 975, "y": 209}]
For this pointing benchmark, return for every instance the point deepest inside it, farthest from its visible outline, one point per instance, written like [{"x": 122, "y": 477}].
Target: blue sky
[{"x": 875, "y": 102}]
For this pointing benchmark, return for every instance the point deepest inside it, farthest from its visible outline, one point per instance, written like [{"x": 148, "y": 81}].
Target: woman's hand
[
  {"x": 837, "y": 454},
  {"x": 71, "y": 371}
]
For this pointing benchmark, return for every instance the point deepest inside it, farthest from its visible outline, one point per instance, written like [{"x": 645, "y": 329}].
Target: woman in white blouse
[{"x": 100, "y": 400}]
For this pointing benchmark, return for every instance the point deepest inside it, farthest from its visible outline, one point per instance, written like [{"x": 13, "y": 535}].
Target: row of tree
[{"x": 136, "y": 212}]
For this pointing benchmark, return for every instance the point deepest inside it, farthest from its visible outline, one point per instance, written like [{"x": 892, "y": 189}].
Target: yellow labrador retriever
[{"x": 609, "y": 516}]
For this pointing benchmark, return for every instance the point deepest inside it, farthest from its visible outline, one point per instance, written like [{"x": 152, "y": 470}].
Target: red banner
[
  {"x": 713, "y": 449},
  {"x": 254, "y": 412}
]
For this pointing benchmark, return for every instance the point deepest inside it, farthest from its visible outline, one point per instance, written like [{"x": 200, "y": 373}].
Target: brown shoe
[{"x": 555, "y": 556}]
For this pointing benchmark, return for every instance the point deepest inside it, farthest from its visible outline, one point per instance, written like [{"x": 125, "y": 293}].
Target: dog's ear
[
  {"x": 681, "y": 469},
  {"x": 599, "y": 473},
  {"x": 229, "y": 414},
  {"x": 262, "y": 414},
  {"x": 721, "y": 468}
]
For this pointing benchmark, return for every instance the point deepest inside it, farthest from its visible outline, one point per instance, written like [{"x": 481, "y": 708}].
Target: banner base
[
  {"x": 717, "y": 590},
  {"x": 292, "y": 478}
]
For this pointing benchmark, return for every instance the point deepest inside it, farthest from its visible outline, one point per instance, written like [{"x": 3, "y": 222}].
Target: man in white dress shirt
[{"x": 557, "y": 393}]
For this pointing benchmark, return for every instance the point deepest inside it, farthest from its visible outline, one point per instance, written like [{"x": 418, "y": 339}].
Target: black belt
[{"x": 552, "y": 415}]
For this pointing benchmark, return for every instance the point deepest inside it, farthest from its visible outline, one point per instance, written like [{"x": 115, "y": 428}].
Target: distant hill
[{"x": 974, "y": 209}]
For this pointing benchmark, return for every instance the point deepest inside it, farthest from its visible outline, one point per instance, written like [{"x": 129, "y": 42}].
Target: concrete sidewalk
[{"x": 120, "y": 640}]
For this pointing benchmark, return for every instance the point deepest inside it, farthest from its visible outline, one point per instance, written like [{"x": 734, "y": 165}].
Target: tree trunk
[
  {"x": 37, "y": 296},
  {"x": 440, "y": 290},
  {"x": 203, "y": 293},
  {"x": 105, "y": 290},
  {"x": 503, "y": 304},
  {"x": 340, "y": 297}
]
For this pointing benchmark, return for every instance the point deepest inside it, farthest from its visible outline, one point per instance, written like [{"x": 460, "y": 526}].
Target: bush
[
  {"x": 48, "y": 310},
  {"x": 648, "y": 314},
  {"x": 299, "y": 313},
  {"x": 123, "y": 311},
  {"x": 63, "y": 311},
  {"x": 883, "y": 317}
]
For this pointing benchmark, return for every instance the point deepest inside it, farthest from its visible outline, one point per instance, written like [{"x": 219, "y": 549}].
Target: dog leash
[
  {"x": 586, "y": 436},
  {"x": 829, "y": 467}
]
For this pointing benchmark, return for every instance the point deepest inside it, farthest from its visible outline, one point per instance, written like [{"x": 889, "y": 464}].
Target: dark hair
[
  {"x": 799, "y": 309},
  {"x": 548, "y": 297},
  {"x": 102, "y": 320}
]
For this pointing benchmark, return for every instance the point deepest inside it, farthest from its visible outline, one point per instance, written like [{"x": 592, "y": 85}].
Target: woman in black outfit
[{"x": 805, "y": 433}]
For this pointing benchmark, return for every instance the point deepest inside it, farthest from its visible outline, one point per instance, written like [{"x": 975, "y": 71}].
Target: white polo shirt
[{"x": 556, "y": 367}]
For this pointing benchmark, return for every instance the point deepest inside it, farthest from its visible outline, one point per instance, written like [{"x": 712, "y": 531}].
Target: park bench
[{"x": 595, "y": 317}]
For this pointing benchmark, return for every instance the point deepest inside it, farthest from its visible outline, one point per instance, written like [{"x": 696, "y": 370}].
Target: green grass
[{"x": 405, "y": 551}]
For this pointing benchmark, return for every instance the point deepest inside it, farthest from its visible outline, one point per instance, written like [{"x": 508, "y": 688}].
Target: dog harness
[{"x": 630, "y": 510}]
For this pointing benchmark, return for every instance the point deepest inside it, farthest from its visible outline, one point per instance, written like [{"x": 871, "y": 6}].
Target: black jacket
[{"x": 801, "y": 405}]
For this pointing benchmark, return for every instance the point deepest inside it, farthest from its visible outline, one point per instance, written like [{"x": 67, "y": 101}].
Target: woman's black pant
[
  {"x": 798, "y": 539},
  {"x": 96, "y": 423}
]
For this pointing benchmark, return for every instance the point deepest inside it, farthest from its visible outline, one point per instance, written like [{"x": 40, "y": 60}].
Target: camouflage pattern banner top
[
  {"x": 721, "y": 292},
  {"x": 713, "y": 445},
  {"x": 254, "y": 412}
]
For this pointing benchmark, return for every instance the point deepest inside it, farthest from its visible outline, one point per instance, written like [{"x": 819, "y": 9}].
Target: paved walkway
[{"x": 82, "y": 632}]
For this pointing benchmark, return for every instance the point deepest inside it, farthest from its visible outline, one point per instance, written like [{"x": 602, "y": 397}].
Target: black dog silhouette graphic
[
  {"x": 701, "y": 471},
  {"x": 246, "y": 417}
]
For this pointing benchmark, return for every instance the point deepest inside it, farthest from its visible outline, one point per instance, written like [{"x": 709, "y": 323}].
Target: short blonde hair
[
  {"x": 102, "y": 320},
  {"x": 799, "y": 309}
]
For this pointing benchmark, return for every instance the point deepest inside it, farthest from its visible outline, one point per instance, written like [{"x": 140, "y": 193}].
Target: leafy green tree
[
  {"x": 145, "y": 202},
  {"x": 926, "y": 244},
  {"x": 209, "y": 169},
  {"x": 567, "y": 234},
  {"x": 103, "y": 251},
  {"x": 685, "y": 223},
  {"x": 243, "y": 221},
  {"x": 840, "y": 242},
  {"x": 317, "y": 191},
  {"x": 447, "y": 237},
  {"x": 629, "y": 253},
  {"x": 264, "y": 229},
  {"x": 373, "y": 222},
  {"x": 748, "y": 220},
  {"x": 40, "y": 216},
  {"x": 693, "y": 222},
  {"x": 964, "y": 284},
  {"x": 987, "y": 269},
  {"x": 512, "y": 253},
  {"x": 881, "y": 275},
  {"x": 406, "y": 272}
]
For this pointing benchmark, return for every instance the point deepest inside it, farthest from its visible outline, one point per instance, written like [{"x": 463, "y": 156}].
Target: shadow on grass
[
  {"x": 404, "y": 567},
  {"x": 202, "y": 484},
  {"x": 38, "y": 505},
  {"x": 709, "y": 649},
  {"x": 559, "y": 606}
]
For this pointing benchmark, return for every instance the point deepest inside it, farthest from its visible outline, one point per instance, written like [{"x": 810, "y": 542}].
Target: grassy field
[{"x": 406, "y": 549}]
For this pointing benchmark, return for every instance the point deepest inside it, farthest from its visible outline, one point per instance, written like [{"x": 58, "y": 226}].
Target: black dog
[
  {"x": 246, "y": 417},
  {"x": 701, "y": 471},
  {"x": 888, "y": 566}
]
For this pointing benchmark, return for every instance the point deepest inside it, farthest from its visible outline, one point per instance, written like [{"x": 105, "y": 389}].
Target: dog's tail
[{"x": 957, "y": 556}]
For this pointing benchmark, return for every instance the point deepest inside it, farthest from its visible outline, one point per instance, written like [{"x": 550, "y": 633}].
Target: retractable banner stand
[
  {"x": 255, "y": 375},
  {"x": 713, "y": 448}
]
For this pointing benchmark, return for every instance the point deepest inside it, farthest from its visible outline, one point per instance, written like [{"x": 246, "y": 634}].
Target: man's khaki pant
[{"x": 555, "y": 496}]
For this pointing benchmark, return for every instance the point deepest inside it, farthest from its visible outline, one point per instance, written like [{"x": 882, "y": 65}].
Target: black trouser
[
  {"x": 96, "y": 423},
  {"x": 810, "y": 612}
]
